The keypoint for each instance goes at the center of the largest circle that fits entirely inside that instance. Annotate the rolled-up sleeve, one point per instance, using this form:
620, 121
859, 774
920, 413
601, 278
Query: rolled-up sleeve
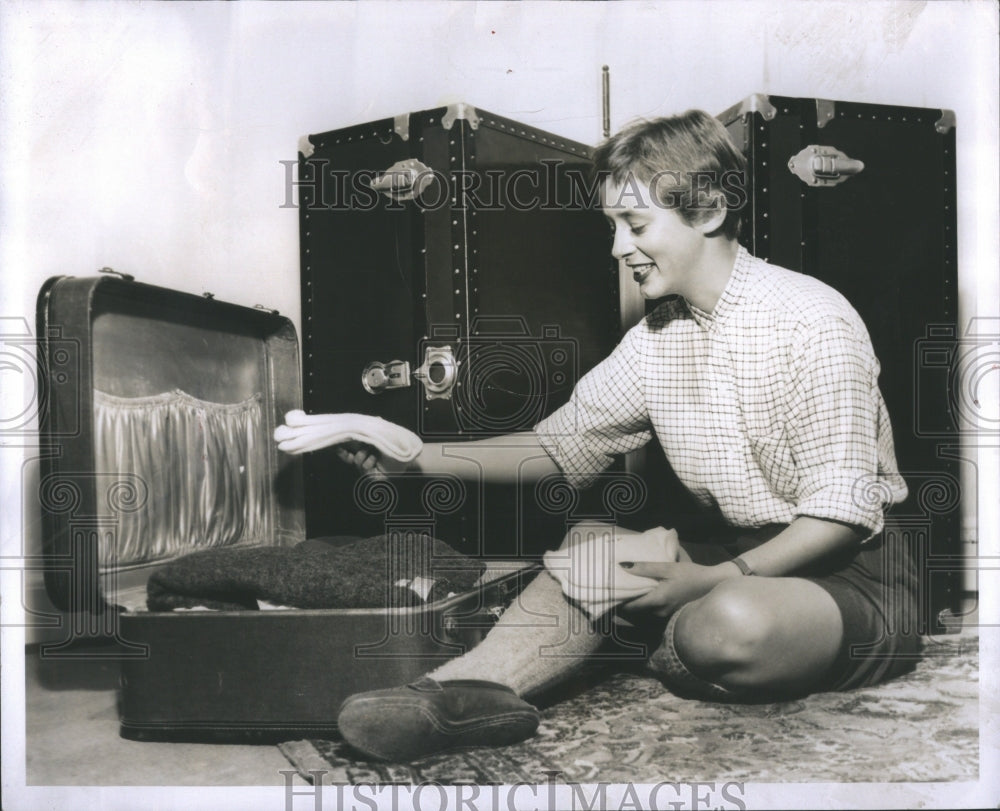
605, 416
833, 427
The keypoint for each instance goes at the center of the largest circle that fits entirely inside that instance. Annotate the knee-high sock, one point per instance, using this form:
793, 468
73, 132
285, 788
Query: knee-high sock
538, 641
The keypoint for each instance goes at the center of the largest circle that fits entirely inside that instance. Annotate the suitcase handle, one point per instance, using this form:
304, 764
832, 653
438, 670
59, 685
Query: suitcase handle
404, 180
111, 271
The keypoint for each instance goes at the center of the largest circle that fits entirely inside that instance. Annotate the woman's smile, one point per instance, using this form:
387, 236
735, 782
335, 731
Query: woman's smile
641, 272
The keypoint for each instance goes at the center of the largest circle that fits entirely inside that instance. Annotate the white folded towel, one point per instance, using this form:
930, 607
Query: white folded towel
590, 575
303, 432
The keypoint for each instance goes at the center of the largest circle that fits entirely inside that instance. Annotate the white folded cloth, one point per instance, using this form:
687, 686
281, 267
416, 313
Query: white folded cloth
589, 572
303, 432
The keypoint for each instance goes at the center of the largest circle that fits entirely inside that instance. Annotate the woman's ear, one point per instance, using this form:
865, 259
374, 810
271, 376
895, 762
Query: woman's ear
713, 214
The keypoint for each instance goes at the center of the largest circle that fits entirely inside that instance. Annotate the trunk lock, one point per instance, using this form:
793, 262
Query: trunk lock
438, 373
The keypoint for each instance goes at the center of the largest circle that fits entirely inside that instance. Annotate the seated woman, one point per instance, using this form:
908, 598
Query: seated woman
761, 386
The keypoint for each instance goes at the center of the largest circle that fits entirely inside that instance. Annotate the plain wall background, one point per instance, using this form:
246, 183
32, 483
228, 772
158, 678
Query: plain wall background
148, 136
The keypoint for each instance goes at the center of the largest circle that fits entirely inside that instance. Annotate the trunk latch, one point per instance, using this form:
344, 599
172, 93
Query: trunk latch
438, 373
823, 166
377, 377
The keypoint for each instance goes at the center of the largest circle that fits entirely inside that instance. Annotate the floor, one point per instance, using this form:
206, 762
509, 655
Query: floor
72, 740
614, 724
72, 737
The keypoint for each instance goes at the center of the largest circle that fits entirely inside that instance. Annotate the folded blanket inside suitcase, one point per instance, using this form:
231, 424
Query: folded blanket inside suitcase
398, 569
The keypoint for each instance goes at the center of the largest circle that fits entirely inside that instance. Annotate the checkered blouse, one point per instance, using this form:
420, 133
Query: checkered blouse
767, 408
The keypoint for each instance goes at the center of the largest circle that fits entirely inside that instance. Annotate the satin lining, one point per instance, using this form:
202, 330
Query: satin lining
186, 474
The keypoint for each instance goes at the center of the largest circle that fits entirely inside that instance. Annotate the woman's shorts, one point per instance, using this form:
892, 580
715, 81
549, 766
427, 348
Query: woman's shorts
876, 592
877, 597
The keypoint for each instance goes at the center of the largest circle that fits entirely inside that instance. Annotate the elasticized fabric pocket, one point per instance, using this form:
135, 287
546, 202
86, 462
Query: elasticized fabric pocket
189, 473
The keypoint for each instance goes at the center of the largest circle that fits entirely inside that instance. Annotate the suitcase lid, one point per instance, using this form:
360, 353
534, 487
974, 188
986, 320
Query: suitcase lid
156, 428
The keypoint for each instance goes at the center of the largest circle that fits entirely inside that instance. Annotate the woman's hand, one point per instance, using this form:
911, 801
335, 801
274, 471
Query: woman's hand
373, 445
368, 461
680, 583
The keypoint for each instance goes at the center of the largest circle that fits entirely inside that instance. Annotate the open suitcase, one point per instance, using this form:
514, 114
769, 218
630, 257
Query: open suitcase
160, 407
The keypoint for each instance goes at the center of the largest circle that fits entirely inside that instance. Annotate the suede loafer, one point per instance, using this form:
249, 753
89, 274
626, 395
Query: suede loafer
405, 723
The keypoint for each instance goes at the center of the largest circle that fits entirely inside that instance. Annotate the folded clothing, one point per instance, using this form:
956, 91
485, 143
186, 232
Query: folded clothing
589, 573
303, 432
339, 572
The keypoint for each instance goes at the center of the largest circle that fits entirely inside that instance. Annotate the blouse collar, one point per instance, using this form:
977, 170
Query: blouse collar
731, 294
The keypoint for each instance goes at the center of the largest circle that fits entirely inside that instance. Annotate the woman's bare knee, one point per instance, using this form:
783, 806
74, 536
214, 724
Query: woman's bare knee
722, 630
767, 633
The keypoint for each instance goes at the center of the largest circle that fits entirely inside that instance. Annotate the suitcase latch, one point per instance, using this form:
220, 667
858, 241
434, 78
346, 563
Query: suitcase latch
478, 624
823, 166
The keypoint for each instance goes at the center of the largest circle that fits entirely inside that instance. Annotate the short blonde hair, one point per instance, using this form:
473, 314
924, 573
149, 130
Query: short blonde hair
692, 152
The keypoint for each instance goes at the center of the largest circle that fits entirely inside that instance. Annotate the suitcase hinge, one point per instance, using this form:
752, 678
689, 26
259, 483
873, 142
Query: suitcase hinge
460, 111
823, 166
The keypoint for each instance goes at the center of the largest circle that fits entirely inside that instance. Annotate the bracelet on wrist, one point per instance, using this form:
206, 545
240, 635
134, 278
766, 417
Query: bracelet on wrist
742, 565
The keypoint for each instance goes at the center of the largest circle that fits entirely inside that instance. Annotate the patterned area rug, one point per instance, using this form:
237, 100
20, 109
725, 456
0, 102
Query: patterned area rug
620, 727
